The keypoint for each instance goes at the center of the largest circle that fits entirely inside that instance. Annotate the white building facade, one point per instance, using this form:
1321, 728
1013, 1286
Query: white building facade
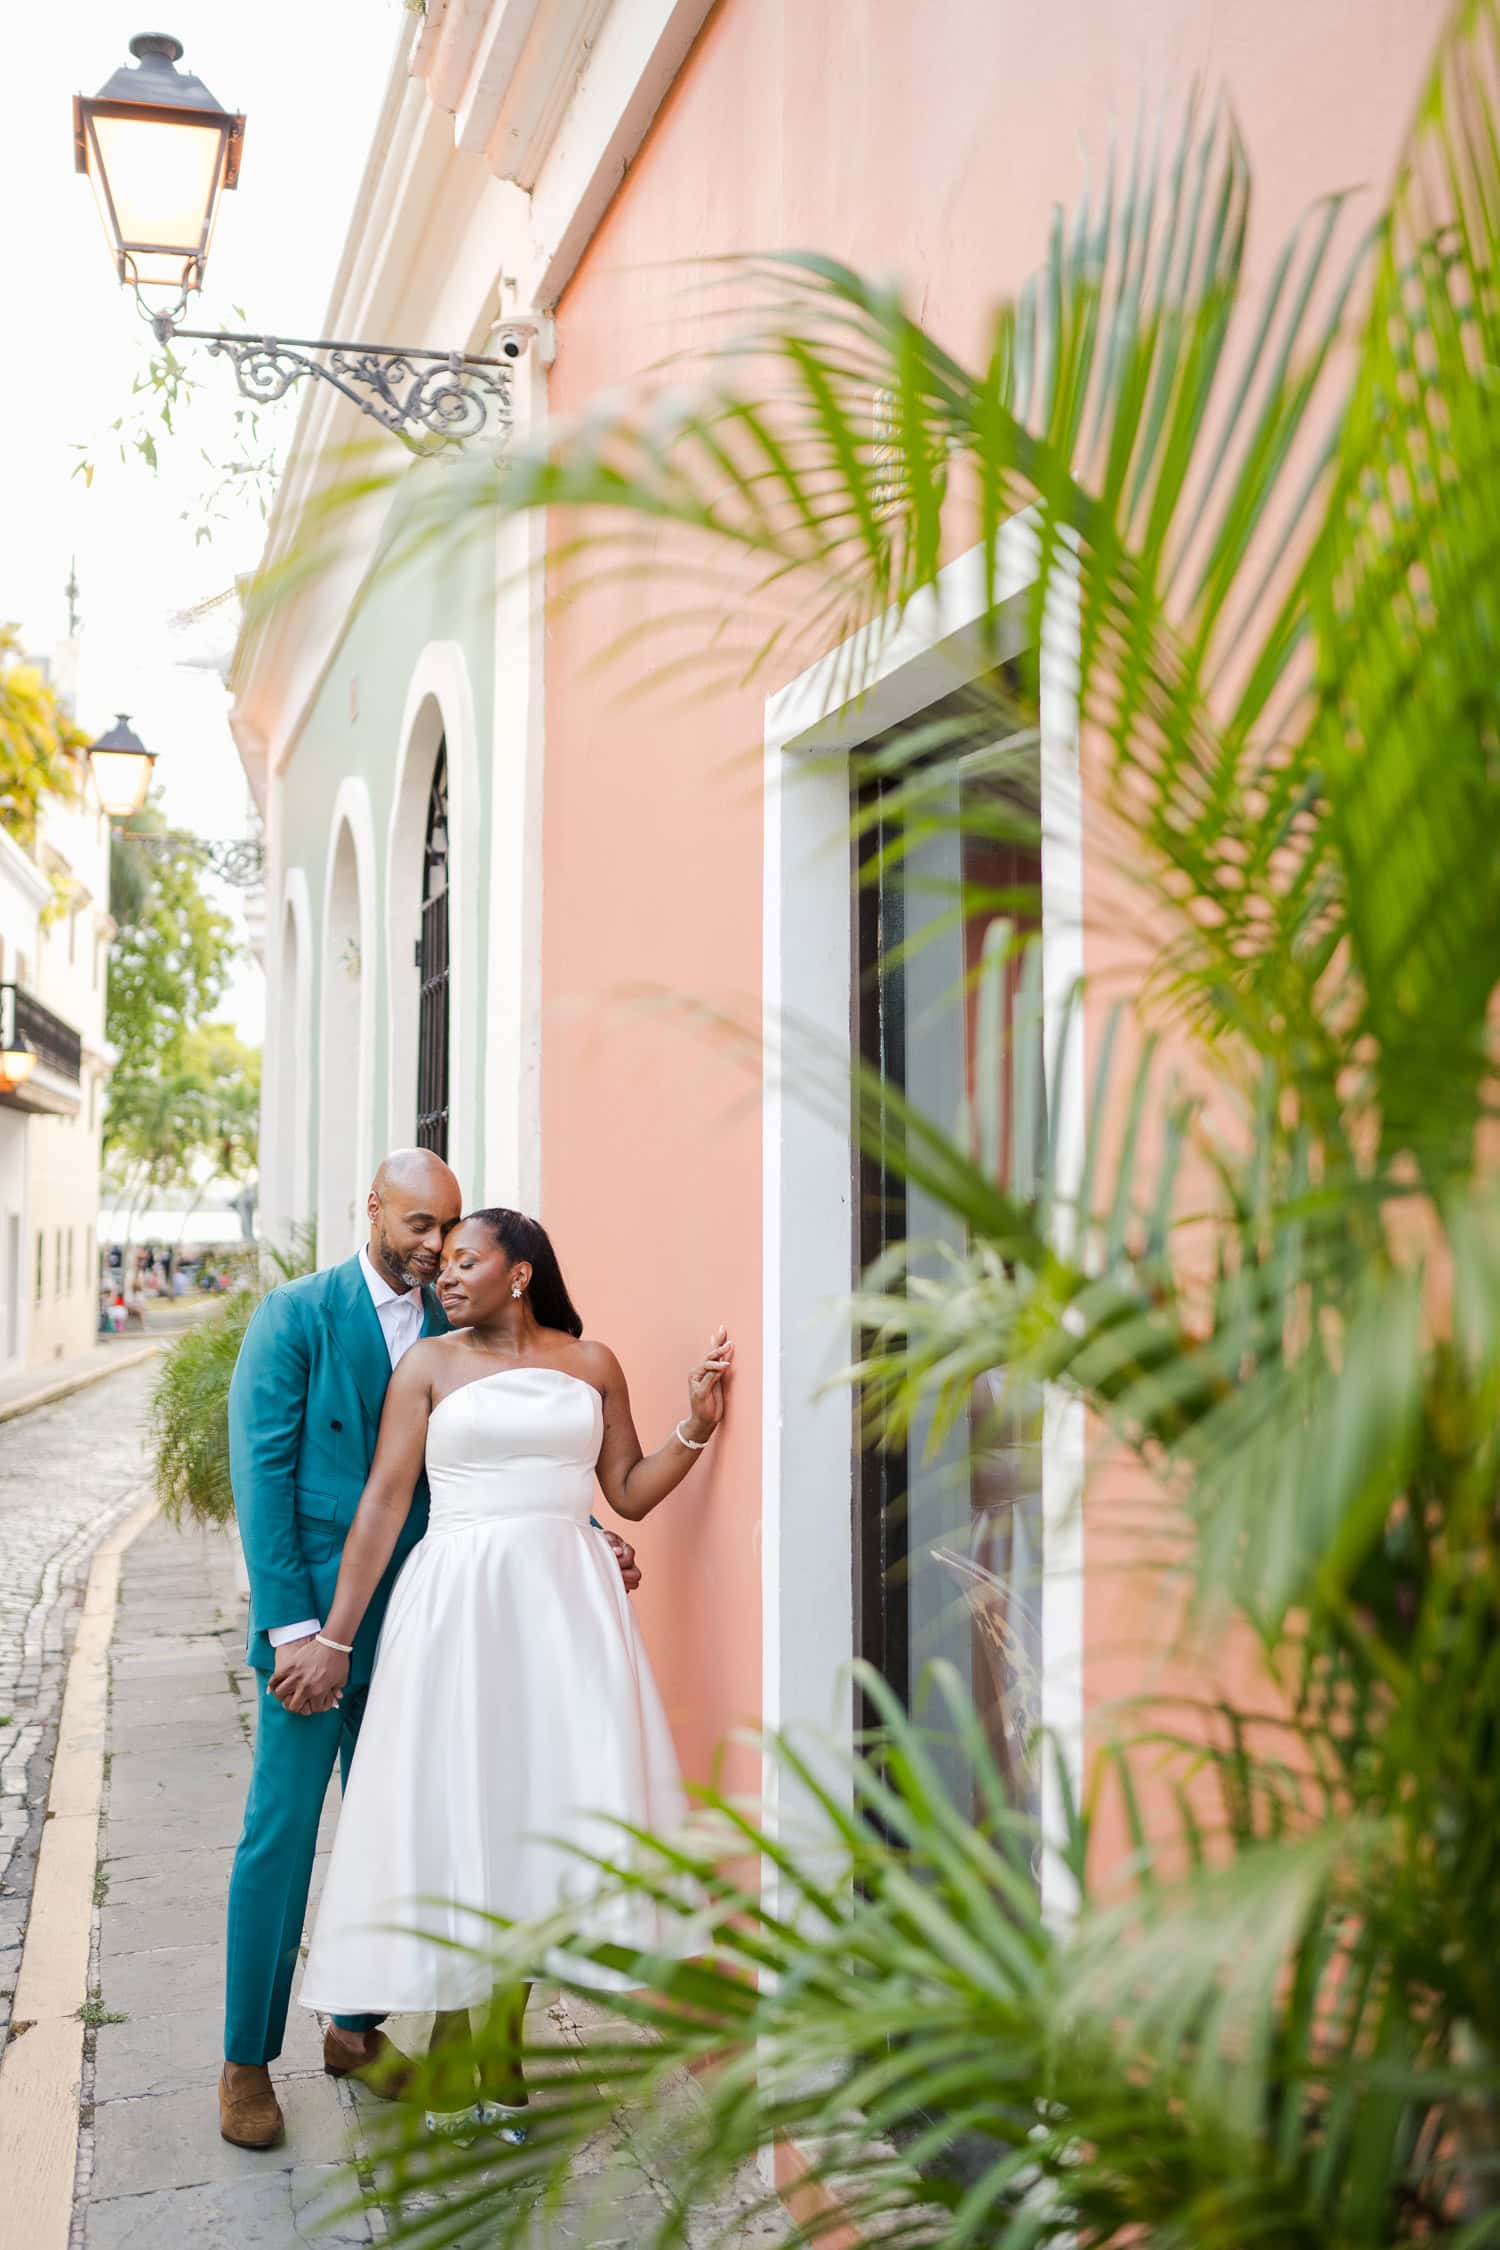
55, 935
69, 980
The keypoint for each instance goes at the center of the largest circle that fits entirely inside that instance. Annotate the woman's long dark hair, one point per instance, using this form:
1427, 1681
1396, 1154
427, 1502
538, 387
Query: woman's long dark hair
520, 1237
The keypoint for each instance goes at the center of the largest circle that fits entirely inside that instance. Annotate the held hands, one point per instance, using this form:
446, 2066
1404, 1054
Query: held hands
308, 1676
706, 1387
630, 1569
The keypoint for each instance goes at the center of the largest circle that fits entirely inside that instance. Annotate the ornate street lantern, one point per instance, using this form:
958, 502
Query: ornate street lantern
160, 151
122, 769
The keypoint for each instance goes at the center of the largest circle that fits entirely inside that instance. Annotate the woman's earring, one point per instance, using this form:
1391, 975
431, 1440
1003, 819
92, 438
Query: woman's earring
517, 1290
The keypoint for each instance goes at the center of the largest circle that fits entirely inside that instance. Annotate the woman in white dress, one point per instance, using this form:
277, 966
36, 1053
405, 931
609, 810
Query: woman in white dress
512, 1713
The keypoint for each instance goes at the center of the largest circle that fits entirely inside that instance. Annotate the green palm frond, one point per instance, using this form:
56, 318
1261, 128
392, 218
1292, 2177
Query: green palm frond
190, 1396
1407, 620
1219, 2058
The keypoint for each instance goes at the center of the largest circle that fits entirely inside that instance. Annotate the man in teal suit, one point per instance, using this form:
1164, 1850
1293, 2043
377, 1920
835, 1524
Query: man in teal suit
304, 1411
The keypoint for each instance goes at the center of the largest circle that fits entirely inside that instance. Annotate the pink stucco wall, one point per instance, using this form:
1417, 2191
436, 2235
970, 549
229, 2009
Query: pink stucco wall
926, 138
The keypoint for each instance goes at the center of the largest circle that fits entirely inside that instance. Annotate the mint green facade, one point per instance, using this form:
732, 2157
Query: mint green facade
359, 724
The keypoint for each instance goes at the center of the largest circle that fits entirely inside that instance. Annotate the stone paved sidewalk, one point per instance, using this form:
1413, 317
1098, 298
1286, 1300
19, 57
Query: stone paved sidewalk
153, 2170
22, 1392
68, 1473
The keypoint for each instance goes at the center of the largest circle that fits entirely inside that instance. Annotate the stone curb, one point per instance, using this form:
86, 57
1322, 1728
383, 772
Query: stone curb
49, 1392
41, 2071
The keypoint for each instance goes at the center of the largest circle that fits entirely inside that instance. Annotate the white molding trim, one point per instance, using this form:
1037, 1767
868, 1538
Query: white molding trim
439, 702
251, 745
337, 1234
561, 94
633, 65
887, 674
416, 192
25, 874
290, 1059
513, 990
510, 110
1064, 1433
447, 59
490, 67
430, 24
528, 82
807, 1257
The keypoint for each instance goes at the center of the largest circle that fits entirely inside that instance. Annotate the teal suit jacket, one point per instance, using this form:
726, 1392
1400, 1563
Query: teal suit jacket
304, 1412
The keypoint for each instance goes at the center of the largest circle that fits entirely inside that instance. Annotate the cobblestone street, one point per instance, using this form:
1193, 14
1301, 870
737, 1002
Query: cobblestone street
68, 1473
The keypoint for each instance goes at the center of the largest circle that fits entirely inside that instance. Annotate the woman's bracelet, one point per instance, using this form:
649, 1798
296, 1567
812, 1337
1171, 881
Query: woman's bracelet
345, 1648
694, 1445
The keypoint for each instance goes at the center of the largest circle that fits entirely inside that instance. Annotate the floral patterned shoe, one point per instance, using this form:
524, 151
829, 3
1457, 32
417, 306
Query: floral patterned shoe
455, 2125
506, 2120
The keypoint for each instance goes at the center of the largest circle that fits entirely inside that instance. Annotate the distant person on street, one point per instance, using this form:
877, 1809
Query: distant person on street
304, 1411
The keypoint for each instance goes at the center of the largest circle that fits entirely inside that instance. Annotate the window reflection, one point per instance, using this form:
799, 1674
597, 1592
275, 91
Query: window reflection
951, 1529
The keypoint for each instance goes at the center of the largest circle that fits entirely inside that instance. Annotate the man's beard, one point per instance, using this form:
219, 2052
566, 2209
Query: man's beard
394, 1264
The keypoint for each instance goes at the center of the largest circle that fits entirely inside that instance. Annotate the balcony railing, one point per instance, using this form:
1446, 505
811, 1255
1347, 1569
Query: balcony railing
57, 1046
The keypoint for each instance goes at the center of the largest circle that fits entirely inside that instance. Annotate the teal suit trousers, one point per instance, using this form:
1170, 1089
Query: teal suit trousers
304, 1413
294, 1762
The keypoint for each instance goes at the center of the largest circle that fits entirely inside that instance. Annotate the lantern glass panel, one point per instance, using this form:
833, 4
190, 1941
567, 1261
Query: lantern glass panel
122, 778
157, 182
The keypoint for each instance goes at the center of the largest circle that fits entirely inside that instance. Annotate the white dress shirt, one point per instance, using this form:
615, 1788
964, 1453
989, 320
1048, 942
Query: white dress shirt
399, 1311
401, 1314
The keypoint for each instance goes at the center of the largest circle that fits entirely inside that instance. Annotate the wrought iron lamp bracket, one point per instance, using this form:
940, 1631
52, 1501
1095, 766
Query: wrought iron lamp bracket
237, 860
411, 393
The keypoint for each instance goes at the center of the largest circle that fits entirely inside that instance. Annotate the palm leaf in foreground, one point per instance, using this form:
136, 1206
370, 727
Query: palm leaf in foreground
896, 2002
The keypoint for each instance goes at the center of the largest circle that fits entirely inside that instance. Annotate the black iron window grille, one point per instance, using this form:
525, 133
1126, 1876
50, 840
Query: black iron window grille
432, 968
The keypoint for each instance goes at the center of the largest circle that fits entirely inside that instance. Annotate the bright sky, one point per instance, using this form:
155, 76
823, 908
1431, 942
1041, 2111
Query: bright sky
309, 76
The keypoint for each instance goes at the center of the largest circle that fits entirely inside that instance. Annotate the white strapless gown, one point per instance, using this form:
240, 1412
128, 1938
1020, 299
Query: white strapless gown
512, 1713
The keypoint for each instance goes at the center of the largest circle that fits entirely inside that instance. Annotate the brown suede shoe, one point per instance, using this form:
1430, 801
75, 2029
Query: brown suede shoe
249, 2113
382, 2067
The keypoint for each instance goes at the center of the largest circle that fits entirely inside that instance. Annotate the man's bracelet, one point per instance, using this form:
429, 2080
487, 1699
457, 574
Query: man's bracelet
345, 1648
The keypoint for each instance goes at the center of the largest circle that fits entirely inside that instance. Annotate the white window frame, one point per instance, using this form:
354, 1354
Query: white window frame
900, 667
292, 1063
342, 1166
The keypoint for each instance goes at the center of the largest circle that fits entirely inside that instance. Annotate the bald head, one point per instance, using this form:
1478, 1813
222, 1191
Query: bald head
414, 1171
414, 1198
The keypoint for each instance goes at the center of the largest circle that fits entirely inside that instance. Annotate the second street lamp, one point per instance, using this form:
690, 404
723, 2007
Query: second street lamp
121, 766
160, 152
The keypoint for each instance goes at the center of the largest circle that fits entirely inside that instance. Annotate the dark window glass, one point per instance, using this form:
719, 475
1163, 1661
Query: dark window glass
432, 968
949, 1532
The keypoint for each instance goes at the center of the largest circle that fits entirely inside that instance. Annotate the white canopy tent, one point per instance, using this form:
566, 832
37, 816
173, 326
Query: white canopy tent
188, 1231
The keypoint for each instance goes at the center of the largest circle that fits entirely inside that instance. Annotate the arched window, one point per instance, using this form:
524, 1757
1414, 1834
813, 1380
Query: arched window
432, 966
342, 1059
285, 1190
